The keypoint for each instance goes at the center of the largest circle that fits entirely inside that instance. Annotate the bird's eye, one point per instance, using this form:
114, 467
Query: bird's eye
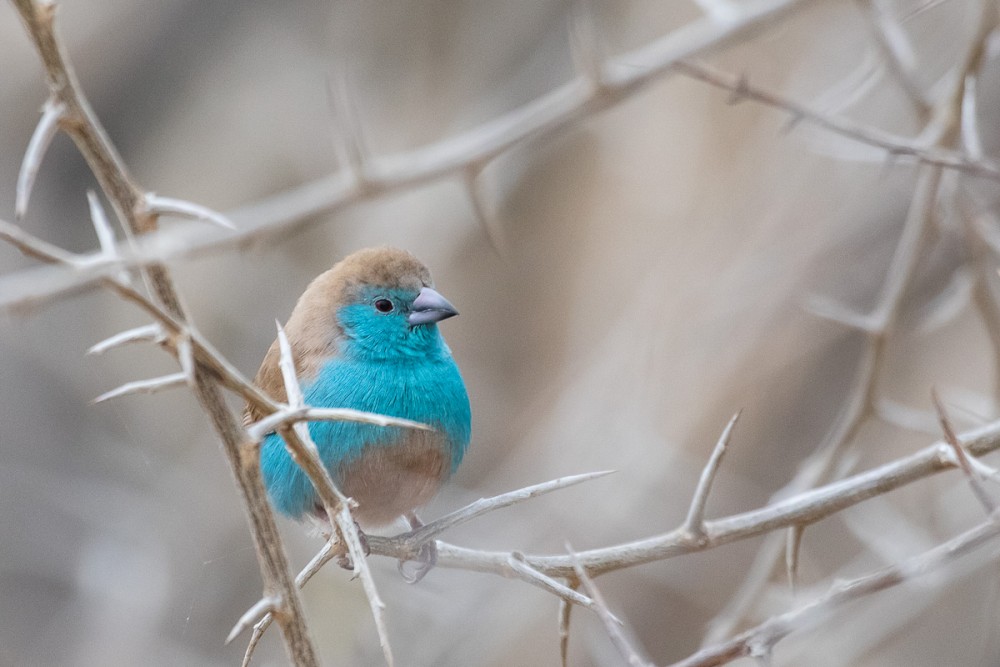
384, 306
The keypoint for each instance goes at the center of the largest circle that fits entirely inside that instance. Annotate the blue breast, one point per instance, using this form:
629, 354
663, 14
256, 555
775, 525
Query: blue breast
429, 390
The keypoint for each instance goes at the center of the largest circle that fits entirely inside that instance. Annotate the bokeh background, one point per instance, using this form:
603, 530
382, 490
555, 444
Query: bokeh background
648, 278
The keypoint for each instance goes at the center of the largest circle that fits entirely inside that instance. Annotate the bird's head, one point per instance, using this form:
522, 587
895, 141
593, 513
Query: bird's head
383, 304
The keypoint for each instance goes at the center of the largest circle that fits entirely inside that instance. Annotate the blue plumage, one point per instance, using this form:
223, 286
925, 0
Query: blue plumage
380, 351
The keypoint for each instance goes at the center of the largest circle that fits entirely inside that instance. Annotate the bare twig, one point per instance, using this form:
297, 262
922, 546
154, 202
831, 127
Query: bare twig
429, 531
611, 623
897, 52
861, 402
337, 506
128, 200
322, 557
565, 612
624, 76
360, 561
801, 509
767, 634
894, 145
793, 547
515, 561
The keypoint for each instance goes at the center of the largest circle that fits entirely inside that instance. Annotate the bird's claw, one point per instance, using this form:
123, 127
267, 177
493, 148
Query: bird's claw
425, 561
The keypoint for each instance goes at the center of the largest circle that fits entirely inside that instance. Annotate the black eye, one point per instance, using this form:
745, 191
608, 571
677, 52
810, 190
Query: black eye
384, 306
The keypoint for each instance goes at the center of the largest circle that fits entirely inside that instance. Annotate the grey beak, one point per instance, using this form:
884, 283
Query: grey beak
430, 307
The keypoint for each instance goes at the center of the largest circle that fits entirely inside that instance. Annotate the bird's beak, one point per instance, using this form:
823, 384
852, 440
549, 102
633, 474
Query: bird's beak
429, 307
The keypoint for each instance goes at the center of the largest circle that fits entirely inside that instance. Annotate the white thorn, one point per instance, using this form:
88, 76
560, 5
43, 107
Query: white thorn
105, 234
150, 386
147, 333
969, 123
45, 131
185, 357
185, 209
261, 608
287, 364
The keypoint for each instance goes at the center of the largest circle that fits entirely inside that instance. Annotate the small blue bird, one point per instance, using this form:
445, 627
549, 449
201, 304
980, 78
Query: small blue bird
364, 335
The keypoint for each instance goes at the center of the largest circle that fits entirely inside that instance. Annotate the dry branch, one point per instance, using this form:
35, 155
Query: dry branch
762, 638
83, 127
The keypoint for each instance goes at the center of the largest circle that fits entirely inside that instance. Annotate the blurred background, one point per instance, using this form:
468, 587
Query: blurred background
649, 276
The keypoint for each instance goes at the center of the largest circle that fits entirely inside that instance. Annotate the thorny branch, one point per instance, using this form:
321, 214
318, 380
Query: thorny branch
862, 402
760, 640
621, 78
601, 83
130, 203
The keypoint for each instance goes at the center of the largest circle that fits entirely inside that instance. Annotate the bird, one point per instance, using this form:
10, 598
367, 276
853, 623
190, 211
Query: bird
364, 335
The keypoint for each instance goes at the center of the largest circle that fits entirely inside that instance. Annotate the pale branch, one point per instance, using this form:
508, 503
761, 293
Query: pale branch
801, 509
304, 452
322, 557
456, 156
349, 531
206, 355
793, 547
897, 52
128, 200
862, 399
979, 240
624, 76
695, 521
420, 536
36, 248
565, 613
417, 537
45, 132
768, 633
961, 457
894, 145
515, 560
610, 621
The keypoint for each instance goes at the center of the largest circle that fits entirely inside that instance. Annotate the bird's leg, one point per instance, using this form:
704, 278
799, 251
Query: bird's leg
426, 557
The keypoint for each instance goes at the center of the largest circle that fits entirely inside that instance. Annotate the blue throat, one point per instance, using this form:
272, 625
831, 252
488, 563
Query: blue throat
383, 368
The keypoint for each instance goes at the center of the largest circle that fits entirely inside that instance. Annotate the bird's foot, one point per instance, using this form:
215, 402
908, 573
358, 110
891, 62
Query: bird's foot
426, 558
344, 560
424, 563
